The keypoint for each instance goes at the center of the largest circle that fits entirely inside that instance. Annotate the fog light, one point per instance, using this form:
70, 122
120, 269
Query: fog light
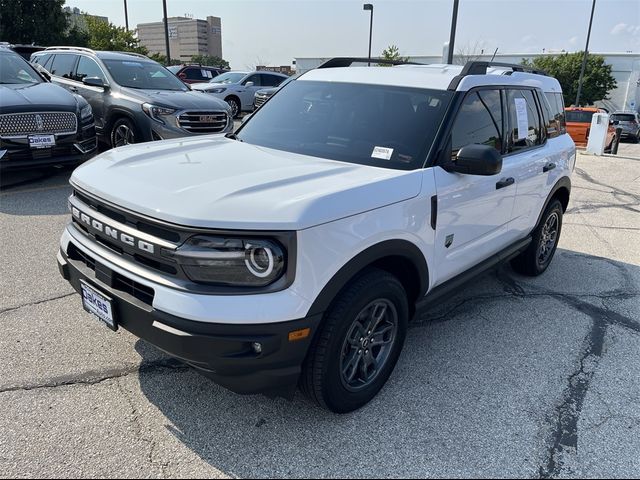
257, 347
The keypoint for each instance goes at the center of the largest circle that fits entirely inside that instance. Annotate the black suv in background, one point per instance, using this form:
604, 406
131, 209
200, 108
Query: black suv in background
40, 123
134, 99
195, 73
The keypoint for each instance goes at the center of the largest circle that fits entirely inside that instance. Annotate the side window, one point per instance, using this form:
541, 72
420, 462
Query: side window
269, 80
88, 68
479, 121
63, 64
550, 112
255, 79
194, 74
524, 122
41, 59
560, 115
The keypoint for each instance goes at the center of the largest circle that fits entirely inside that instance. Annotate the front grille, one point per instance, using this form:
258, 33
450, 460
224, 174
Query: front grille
21, 124
203, 122
117, 282
260, 99
27, 154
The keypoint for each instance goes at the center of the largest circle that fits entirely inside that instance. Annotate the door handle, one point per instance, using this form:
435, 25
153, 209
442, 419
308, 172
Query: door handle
505, 182
548, 166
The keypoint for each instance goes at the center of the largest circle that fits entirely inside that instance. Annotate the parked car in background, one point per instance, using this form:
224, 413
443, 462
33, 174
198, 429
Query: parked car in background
195, 73
238, 89
265, 94
629, 122
579, 124
40, 123
134, 99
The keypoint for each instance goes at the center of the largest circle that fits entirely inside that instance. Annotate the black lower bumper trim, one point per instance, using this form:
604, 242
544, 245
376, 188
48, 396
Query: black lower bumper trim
222, 352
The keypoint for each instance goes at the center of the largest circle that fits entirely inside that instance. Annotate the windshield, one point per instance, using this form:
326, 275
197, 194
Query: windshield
229, 77
377, 125
16, 70
578, 116
143, 74
623, 117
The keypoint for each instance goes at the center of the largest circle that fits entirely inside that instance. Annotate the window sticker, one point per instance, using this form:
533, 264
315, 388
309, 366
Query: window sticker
382, 152
521, 116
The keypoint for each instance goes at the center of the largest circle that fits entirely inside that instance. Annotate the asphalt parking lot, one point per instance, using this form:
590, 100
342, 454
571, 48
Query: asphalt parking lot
511, 377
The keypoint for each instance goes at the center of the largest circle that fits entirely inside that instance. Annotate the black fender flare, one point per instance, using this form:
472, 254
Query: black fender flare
564, 182
388, 248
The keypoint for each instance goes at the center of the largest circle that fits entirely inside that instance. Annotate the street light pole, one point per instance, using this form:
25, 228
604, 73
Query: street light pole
586, 54
452, 37
126, 16
166, 31
368, 6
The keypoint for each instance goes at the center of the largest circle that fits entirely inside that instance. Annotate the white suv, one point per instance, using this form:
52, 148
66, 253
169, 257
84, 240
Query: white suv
295, 251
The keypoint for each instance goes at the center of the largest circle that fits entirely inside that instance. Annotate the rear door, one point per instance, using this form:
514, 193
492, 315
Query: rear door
473, 211
62, 68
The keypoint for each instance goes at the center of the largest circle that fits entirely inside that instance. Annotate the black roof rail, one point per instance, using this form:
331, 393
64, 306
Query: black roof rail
347, 61
479, 67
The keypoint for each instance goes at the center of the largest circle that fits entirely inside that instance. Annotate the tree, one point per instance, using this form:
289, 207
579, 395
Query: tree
598, 80
39, 22
392, 53
210, 61
107, 36
468, 53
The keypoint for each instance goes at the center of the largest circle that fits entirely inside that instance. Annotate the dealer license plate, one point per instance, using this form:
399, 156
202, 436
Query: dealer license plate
98, 304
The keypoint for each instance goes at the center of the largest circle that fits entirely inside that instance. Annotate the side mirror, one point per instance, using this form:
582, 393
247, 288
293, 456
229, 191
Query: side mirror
476, 160
94, 82
249, 84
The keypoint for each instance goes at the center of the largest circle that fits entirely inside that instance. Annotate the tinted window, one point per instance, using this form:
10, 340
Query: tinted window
623, 117
271, 80
63, 64
16, 70
479, 121
41, 59
551, 127
196, 74
561, 118
578, 116
143, 74
524, 122
378, 125
88, 68
255, 79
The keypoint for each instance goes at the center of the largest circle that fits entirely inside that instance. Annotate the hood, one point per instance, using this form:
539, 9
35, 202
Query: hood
210, 86
36, 97
178, 100
215, 182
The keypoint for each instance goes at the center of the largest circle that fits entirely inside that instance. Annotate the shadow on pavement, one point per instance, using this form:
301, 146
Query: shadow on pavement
486, 383
35, 192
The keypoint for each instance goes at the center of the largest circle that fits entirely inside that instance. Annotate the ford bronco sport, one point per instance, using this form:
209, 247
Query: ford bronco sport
295, 251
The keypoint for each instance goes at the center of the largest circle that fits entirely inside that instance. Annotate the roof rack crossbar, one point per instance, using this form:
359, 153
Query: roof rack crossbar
347, 61
82, 49
479, 67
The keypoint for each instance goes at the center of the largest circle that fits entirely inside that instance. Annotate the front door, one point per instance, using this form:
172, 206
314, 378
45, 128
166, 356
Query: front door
474, 211
88, 68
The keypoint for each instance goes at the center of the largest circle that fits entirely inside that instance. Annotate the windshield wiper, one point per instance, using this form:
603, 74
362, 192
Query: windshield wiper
233, 136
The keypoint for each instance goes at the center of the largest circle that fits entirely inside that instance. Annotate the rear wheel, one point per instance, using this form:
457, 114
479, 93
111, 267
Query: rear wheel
359, 343
537, 257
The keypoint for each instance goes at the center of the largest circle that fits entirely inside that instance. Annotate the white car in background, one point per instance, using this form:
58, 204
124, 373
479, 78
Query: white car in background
239, 88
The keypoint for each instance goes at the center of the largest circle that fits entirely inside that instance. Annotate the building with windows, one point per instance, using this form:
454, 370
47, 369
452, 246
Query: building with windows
284, 69
187, 37
625, 69
78, 19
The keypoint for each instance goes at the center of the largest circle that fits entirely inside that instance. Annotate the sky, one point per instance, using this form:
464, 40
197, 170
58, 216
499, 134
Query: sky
275, 32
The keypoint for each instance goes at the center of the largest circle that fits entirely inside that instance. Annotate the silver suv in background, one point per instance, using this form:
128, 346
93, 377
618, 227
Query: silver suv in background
238, 89
629, 122
133, 98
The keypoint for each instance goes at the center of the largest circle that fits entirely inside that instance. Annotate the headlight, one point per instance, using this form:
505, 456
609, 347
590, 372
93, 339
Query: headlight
230, 261
86, 112
216, 90
156, 112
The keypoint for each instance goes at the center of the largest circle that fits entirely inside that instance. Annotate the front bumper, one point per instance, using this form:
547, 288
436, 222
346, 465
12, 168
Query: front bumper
222, 352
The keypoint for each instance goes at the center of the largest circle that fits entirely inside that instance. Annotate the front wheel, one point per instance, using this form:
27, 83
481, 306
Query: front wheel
122, 133
538, 255
359, 343
234, 103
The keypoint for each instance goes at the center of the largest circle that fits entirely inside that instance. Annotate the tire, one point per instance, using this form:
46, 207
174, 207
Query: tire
373, 295
234, 103
123, 132
537, 257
